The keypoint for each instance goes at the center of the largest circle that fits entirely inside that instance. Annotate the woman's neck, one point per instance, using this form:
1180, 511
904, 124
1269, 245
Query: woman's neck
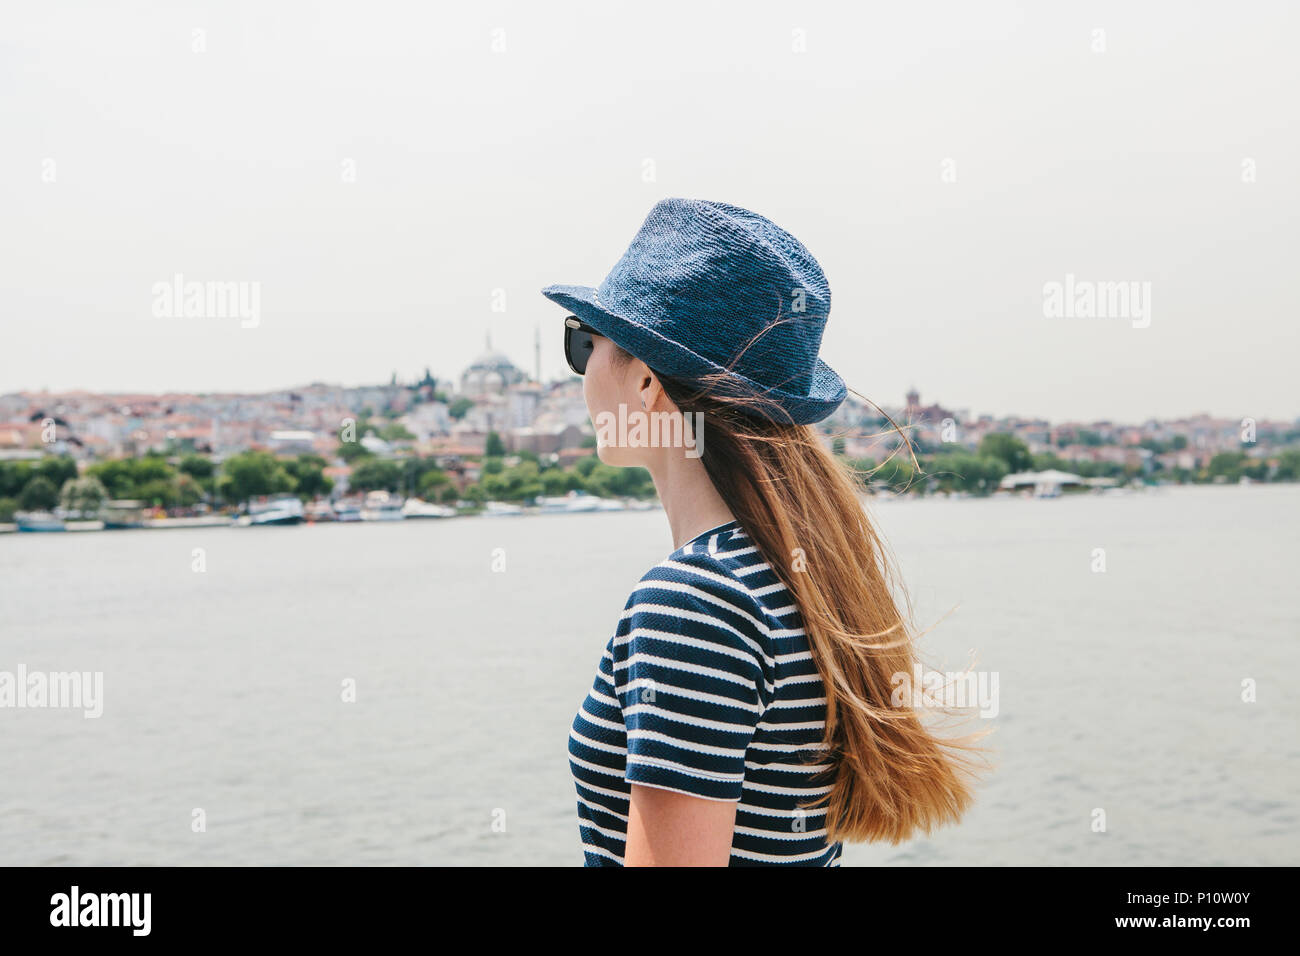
690, 500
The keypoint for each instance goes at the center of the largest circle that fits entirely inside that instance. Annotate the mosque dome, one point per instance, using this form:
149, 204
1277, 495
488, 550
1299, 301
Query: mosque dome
490, 374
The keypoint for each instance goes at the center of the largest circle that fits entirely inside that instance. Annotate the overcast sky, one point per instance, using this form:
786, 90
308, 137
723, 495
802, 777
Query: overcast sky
379, 169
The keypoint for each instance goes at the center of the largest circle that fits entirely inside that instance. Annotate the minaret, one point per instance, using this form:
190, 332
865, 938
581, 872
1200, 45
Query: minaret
537, 354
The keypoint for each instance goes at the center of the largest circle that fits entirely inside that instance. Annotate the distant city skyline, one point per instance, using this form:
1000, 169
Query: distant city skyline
452, 383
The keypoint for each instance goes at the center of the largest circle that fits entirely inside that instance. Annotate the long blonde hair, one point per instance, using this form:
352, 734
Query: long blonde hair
890, 777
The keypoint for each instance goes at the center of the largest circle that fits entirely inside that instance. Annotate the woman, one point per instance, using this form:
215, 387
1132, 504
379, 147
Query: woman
744, 711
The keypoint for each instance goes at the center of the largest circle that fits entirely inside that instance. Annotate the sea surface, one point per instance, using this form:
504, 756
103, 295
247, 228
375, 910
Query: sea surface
471, 642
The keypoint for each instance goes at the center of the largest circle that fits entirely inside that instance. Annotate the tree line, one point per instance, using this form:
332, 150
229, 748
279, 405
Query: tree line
179, 483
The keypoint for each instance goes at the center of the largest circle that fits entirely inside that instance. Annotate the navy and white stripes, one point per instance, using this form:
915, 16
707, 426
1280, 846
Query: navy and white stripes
708, 688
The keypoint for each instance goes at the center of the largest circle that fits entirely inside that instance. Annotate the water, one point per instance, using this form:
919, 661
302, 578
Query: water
1118, 690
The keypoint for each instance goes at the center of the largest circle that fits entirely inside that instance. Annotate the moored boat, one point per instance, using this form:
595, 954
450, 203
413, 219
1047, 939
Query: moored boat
123, 514
285, 509
39, 521
572, 503
382, 506
415, 508
199, 521
320, 511
347, 509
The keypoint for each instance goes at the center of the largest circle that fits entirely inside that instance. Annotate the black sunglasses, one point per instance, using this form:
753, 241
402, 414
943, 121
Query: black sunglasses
577, 343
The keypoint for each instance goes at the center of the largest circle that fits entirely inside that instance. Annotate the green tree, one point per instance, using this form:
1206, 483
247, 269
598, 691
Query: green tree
13, 475
126, 477
525, 481
1228, 464
197, 467
116, 476
961, 471
608, 482
459, 408
521, 482
39, 494
495, 447
1256, 469
84, 495
309, 477
1288, 465
1013, 452
58, 469
188, 491
556, 481
254, 473
374, 474
432, 483
161, 492
202, 471
351, 451
150, 468
896, 473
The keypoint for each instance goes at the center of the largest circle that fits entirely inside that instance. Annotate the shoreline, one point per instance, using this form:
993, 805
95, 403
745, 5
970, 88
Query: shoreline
512, 510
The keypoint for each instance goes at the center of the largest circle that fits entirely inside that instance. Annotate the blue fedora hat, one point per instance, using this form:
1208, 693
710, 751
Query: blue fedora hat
698, 283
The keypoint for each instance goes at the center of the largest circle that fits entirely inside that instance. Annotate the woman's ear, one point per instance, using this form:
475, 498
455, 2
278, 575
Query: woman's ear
650, 390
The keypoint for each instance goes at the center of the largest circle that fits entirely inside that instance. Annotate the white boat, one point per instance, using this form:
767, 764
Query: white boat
382, 506
83, 526
123, 514
496, 509
1041, 484
320, 511
201, 521
347, 509
415, 508
572, 503
285, 509
39, 521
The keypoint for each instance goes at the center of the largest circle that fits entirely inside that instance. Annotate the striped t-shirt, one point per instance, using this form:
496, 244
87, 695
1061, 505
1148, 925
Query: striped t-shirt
707, 688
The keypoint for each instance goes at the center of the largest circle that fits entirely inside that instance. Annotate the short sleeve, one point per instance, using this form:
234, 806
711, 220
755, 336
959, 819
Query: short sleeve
691, 670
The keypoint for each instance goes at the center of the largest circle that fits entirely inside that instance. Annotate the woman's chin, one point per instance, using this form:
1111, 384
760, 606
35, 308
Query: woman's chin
615, 456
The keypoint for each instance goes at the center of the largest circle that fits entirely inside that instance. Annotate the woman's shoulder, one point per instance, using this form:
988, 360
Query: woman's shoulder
695, 584
698, 569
